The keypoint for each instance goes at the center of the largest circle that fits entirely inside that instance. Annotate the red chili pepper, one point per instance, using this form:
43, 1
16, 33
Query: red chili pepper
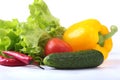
10, 62
20, 56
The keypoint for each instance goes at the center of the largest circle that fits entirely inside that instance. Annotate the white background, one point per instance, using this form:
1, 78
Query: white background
69, 12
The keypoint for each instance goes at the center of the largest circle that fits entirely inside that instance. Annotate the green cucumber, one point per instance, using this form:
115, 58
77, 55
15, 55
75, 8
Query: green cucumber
74, 60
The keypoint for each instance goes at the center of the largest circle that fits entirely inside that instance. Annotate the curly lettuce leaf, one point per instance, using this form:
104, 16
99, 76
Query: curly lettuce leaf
9, 34
30, 37
41, 16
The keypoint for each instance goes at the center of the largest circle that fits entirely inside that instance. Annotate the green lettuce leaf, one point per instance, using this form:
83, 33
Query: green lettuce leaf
31, 36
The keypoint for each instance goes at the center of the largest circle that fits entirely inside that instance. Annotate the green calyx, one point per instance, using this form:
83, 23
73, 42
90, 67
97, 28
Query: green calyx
102, 38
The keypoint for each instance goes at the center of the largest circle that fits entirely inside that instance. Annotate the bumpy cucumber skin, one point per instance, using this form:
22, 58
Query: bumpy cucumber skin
74, 60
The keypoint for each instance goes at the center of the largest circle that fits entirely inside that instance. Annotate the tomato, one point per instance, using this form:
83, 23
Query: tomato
57, 45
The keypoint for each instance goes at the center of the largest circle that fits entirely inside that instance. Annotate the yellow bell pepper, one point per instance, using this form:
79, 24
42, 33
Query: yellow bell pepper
90, 34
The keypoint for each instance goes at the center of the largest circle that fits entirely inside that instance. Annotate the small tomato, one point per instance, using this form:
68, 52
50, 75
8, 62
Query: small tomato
57, 45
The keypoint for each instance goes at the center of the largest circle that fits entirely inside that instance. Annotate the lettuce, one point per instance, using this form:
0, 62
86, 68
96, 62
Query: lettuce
31, 36
9, 34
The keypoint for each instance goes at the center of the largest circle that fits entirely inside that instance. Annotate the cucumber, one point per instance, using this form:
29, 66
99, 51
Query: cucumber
74, 60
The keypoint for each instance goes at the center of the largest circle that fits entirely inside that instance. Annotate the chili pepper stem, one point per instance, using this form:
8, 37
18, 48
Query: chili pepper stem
102, 38
41, 67
38, 65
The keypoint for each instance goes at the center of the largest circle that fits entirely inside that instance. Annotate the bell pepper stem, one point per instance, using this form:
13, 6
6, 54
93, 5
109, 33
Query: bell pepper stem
102, 38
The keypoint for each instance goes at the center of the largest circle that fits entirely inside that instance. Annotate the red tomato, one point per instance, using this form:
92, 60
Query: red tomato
57, 45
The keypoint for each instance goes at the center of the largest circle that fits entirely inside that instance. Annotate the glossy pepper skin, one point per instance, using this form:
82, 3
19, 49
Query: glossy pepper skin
89, 34
108, 44
10, 62
20, 56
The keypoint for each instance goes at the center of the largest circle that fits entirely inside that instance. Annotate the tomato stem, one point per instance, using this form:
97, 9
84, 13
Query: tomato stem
102, 38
